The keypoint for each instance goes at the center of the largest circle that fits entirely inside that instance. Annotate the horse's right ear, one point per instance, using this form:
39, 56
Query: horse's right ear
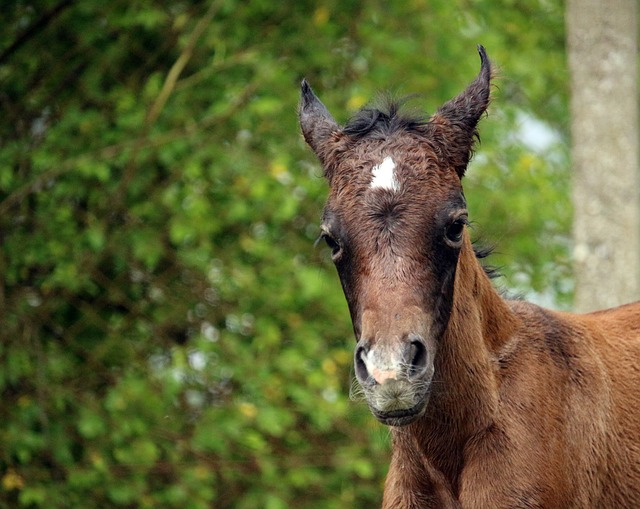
315, 120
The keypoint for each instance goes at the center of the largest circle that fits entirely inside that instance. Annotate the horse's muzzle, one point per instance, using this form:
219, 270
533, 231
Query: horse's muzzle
401, 417
395, 381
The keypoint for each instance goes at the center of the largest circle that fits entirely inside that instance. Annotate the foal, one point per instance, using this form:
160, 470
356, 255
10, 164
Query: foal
492, 403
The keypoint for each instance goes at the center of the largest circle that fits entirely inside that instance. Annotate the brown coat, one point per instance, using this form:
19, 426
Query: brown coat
493, 404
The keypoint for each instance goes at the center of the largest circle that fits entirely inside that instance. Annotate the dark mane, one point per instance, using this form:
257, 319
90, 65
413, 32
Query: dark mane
483, 252
381, 121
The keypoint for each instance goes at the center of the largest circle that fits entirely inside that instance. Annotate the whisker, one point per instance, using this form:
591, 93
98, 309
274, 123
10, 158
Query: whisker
356, 392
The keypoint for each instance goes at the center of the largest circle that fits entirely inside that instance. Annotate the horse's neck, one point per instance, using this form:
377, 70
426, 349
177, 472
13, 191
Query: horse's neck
481, 322
464, 388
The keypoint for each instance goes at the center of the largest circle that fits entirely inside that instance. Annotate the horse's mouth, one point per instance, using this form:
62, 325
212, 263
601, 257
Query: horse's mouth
400, 417
397, 402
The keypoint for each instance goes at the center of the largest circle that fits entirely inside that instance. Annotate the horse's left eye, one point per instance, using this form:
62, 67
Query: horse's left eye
454, 231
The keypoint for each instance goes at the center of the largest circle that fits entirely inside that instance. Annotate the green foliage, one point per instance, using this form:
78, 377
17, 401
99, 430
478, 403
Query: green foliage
170, 337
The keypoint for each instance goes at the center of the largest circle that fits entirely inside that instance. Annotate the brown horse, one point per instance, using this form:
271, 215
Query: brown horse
492, 403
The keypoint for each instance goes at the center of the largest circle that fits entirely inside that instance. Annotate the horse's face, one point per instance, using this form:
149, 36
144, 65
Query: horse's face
395, 221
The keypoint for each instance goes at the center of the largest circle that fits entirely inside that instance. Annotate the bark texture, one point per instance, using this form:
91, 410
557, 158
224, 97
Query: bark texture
602, 47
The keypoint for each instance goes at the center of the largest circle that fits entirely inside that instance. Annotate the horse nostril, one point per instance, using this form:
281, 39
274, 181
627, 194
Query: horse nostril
362, 374
418, 359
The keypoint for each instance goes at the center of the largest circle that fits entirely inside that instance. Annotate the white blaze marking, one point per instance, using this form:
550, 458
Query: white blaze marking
384, 176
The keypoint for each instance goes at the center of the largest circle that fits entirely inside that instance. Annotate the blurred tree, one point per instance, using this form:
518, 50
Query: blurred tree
603, 59
169, 336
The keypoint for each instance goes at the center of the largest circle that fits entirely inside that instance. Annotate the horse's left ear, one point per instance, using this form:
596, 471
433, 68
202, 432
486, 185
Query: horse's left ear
315, 120
456, 121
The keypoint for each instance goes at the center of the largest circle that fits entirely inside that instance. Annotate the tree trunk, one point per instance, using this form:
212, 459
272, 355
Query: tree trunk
602, 48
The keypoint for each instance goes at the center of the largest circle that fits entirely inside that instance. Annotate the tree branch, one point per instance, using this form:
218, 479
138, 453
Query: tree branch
36, 27
114, 150
180, 64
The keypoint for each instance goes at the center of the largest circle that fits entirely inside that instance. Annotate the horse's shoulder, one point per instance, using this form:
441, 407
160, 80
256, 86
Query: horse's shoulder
560, 344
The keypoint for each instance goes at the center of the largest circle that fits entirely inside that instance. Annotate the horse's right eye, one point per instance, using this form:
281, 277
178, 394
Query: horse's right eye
332, 244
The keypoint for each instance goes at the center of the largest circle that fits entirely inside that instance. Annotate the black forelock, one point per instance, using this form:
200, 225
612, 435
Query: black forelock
388, 117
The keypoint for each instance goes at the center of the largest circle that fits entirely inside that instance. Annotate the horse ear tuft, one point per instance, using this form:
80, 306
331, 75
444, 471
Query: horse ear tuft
456, 121
315, 120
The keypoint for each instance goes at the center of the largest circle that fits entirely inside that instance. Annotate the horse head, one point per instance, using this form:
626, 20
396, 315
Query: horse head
395, 220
